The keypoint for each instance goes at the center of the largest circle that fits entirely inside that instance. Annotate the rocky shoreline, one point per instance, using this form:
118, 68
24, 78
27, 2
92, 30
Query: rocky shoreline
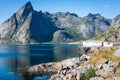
83, 69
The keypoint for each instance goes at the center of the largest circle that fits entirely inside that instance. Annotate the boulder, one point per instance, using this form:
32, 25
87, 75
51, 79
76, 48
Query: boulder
55, 77
116, 64
102, 61
104, 74
117, 53
108, 68
96, 78
100, 66
116, 78
69, 76
84, 58
79, 75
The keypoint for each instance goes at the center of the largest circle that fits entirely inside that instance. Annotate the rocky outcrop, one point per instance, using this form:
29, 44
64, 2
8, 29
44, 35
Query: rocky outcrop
66, 69
113, 33
54, 67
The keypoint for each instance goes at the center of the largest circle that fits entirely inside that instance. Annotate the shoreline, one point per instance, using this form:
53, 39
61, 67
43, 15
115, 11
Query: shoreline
73, 69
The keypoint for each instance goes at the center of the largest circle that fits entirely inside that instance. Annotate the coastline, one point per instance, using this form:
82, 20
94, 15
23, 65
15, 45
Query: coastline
75, 69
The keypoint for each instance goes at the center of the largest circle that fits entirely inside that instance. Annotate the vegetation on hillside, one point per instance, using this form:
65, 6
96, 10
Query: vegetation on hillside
89, 74
106, 53
73, 32
99, 36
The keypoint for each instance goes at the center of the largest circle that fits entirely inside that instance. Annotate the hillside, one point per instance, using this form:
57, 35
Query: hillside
30, 26
113, 33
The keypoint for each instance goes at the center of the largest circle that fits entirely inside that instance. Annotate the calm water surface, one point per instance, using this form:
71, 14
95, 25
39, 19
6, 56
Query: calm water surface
19, 56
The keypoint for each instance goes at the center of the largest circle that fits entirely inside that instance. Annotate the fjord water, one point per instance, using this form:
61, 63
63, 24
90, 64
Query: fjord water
13, 57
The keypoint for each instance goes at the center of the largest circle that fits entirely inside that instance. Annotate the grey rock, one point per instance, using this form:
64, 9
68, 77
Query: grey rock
102, 61
113, 33
108, 68
116, 78
104, 74
117, 53
85, 57
96, 78
28, 26
116, 64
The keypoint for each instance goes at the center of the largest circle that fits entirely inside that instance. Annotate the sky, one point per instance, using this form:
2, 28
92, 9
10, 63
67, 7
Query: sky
107, 8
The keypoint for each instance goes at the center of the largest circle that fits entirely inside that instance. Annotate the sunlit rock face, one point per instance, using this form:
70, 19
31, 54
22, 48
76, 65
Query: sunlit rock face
113, 33
30, 26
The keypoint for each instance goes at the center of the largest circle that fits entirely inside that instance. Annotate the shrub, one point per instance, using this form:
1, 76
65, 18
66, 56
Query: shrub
89, 74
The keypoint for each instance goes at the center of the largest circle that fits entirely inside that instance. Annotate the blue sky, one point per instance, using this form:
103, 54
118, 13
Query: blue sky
107, 8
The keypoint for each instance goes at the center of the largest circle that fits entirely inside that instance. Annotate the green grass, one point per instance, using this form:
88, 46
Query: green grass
73, 32
111, 31
99, 36
10, 41
89, 74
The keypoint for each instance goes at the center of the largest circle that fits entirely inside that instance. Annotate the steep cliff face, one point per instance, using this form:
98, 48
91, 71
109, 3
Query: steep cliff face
27, 26
113, 34
10, 26
30, 26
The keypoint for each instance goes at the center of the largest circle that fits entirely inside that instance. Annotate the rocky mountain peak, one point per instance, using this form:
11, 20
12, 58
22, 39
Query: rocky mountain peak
72, 14
116, 18
97, 15
92, 17
28, 6
30, 26
24, 11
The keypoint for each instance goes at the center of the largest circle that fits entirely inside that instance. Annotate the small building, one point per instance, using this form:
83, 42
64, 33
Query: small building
94, 43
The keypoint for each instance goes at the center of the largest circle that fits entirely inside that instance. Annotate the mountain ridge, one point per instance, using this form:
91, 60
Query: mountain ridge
30, 26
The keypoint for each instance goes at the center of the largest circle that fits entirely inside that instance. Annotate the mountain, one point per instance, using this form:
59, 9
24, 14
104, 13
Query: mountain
79, 28
30, 26
113, 33
27, 26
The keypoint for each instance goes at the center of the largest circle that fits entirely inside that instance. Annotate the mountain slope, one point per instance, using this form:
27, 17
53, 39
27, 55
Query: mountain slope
80, 28
113, 34
30, 26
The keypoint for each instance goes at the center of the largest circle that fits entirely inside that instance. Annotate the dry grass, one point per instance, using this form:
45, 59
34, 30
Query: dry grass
106, 53
118, 71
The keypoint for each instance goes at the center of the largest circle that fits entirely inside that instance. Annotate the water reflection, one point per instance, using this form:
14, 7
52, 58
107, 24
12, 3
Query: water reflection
13, 57
64, 52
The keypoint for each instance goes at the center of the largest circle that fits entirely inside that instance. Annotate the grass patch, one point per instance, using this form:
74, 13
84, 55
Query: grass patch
89, 74
118, 71
73, 32
106, 53
99, 36
111, 31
